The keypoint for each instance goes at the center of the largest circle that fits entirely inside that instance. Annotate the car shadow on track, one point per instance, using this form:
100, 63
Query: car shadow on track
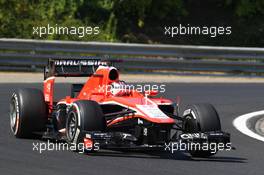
175, 156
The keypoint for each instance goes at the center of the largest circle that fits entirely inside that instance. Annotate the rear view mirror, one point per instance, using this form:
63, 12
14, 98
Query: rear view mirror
151, 93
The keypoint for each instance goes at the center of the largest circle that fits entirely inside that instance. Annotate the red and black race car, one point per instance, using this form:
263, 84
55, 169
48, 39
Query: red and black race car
105, 110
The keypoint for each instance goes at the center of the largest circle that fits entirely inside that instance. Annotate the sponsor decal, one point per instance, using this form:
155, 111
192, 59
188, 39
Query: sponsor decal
80, 63
152, 111
193, 136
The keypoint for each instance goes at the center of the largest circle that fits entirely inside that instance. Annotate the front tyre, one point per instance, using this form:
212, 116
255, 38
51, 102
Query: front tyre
84, 115
201, 118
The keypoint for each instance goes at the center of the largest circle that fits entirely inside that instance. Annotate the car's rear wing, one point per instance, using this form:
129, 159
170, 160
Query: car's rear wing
73, 67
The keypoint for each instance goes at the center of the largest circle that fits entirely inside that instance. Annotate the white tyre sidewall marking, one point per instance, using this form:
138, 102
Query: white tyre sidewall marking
240, 124
75, 140
17, 110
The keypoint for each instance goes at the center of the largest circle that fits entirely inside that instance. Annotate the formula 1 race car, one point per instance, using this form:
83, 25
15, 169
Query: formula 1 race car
108, 112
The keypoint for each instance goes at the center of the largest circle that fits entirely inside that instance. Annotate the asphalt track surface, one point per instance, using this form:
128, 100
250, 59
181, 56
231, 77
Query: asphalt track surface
231, 100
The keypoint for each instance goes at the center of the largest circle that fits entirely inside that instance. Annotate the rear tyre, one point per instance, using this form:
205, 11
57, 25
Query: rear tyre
201, 118
84, 115
28, 113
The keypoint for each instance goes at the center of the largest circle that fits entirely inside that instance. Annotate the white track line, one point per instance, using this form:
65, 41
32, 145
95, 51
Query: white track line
241, 124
